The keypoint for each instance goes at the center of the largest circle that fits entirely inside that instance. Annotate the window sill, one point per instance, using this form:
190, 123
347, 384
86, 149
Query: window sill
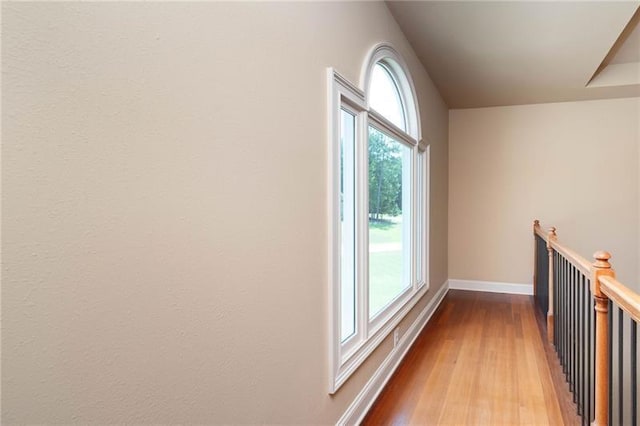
360, 353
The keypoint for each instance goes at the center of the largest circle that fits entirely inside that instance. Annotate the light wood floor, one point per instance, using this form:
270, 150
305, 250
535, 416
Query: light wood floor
480, 360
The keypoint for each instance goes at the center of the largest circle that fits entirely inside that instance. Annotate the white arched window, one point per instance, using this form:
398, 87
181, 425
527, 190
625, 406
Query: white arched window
378, 208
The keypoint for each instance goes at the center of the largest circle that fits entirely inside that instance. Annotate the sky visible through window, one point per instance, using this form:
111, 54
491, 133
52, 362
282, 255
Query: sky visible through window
385, 97
347, 220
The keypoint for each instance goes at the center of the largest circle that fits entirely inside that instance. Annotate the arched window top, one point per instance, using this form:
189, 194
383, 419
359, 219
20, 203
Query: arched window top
384, 96
389, 89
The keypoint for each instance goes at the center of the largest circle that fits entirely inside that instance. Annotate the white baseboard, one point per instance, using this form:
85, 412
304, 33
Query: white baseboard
491, 287
362, 403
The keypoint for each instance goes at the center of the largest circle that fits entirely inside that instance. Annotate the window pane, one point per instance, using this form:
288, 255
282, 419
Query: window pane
389, 220
347, 229
385, 97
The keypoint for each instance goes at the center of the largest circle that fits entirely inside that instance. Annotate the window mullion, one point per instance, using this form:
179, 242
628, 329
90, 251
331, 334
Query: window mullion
415, 176
407, 226
362, 216
426, 215
384, 125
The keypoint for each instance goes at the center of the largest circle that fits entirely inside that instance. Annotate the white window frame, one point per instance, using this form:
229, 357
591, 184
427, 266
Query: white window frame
345, 357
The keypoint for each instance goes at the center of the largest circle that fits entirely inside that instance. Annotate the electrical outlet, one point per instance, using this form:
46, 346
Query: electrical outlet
396, 337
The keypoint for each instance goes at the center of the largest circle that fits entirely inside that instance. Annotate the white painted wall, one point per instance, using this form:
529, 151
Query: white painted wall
164, 228
572, 165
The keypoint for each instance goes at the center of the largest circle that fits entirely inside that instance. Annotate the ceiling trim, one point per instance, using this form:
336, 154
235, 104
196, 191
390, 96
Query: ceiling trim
622, 38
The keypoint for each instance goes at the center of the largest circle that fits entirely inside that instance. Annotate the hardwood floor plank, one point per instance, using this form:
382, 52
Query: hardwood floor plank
480, 360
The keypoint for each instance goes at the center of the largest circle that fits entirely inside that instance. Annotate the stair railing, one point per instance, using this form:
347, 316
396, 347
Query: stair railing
578, 298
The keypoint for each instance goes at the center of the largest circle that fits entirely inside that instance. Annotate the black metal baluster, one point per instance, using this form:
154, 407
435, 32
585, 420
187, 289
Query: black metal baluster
620, 366
585, 355
575, 336
570, 327
610, 344
566, 320
576, 329
555, 301
574, 324
587, 359
568, 323
545, 272
581, 346
536, 268
583, 360
562, 312
590, 377
555, 297
585, 339
593, 358
633, 353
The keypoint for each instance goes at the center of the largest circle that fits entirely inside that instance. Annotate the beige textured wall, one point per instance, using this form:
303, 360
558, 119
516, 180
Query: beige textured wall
510, 165
164, 229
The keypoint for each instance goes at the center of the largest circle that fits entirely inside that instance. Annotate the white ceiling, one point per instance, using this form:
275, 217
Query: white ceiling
509, 53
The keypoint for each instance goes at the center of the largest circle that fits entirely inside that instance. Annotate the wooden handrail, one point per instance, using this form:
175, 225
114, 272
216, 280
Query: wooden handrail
574, 258
621, 295
578, 261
